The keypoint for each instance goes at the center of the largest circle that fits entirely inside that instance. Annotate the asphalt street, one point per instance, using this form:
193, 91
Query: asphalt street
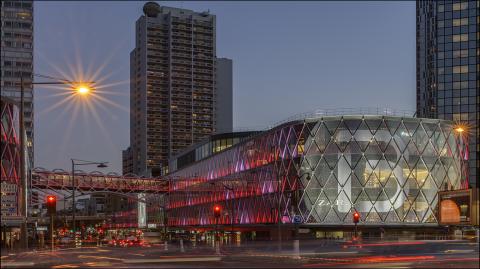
312, 254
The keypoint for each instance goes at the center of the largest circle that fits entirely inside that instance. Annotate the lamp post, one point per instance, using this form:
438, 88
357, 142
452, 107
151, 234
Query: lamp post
80, 87
74, 185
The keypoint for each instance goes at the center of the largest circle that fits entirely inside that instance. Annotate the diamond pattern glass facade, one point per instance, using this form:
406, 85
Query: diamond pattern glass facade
389, 169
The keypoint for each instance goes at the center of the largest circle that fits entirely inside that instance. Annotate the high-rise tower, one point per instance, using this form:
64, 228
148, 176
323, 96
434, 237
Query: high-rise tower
17, 59
172, 85
448, 68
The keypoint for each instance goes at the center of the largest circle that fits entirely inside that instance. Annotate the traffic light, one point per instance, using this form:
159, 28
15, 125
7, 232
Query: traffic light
217, 211
51, 204
356, 217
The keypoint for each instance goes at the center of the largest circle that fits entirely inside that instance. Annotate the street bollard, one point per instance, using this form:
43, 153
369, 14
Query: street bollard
296, 249
166, 245
478, 235
217, 247
182, 249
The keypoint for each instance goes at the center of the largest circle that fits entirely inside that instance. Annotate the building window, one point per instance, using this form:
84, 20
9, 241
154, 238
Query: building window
460, 22
460, 69
460, 6
462, 37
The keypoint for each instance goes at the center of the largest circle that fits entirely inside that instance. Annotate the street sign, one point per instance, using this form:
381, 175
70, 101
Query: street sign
41, 228
297, 219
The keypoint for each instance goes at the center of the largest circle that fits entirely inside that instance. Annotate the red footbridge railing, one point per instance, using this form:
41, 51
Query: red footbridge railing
96, 182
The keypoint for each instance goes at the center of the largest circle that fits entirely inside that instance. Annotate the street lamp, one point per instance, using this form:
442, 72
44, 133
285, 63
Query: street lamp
81, 87
74, 187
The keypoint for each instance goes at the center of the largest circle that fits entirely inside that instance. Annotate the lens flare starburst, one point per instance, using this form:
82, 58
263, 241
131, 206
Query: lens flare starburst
94, 99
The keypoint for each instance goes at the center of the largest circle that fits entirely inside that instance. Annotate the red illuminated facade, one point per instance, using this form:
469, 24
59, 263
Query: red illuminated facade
10, 158
322, 170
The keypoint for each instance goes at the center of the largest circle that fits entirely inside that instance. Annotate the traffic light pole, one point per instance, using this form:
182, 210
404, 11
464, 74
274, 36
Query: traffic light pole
51, 232
355, 231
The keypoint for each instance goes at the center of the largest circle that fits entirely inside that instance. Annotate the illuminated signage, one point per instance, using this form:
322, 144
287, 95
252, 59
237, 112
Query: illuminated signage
455, 207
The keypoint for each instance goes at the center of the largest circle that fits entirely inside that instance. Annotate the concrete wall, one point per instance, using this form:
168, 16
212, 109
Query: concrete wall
224, 96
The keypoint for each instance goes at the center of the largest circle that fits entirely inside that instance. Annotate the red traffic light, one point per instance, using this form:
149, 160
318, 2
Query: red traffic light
356, 217
51, 204
216, 211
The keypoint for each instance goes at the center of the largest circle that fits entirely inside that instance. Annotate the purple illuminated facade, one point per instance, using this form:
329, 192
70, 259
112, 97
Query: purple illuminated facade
319, 171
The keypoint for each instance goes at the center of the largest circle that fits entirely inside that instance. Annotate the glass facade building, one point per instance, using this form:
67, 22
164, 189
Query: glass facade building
321, 170
448, 68
17, 59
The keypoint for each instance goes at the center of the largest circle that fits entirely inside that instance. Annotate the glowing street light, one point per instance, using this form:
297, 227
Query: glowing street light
460, 129
83, 90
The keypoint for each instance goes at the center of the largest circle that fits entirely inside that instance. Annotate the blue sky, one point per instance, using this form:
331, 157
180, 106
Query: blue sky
288, 58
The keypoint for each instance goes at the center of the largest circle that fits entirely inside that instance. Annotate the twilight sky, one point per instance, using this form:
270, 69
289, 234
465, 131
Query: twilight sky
288, 58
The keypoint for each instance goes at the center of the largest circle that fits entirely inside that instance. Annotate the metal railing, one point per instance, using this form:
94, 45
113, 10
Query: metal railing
361, 111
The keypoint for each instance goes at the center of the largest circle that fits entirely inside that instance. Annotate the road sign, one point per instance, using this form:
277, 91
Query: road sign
297, 219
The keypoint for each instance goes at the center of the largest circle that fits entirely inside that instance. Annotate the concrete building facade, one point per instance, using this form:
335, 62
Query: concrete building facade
172, 86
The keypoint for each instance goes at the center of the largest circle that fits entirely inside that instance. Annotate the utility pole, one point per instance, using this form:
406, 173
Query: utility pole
23, 178
74, 206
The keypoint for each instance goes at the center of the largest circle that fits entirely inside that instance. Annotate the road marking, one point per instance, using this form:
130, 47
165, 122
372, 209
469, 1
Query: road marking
99, 257
16, 264
459, 250
98, 264
329, 253
65, 266
199, 259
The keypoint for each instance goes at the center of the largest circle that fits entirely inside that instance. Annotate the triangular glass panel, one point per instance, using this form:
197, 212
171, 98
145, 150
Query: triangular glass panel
321, 172
430, 128
352, 153
373, 187
392, 217
355, 188
392, 124
421, 206
401, 205
322, 206
331, 188
430, 189
332, 155
392, 186
383, 205
438, 173
363, 171
420, 139
410, 216
353, 124
373, 217
332, 217
430, 217
343, 205
332, 126
342, 136
374, 123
